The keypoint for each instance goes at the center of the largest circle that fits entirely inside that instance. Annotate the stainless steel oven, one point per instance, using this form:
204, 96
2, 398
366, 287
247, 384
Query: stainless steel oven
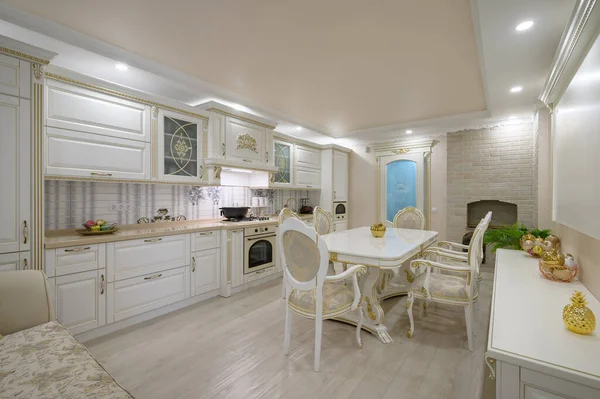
259, 248
340, 210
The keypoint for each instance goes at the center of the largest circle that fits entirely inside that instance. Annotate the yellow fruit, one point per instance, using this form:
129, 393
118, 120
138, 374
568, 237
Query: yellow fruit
95, 228
537, 250
100, 222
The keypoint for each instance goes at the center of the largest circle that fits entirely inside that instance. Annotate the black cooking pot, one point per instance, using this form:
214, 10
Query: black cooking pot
234, 212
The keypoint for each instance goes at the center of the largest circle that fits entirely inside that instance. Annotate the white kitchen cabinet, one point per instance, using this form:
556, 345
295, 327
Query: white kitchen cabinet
82, 258
206, 269
141, 294
340, 226
205, 240
77, 154
81, 300
308, 157
133, 258
179, 147
83, 110
235, 256
283, 158
15, 165
307, 178
15, 77
340, 176
15, 261
245, 142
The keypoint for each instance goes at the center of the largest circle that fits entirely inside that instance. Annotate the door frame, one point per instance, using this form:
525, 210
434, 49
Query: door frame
425, 147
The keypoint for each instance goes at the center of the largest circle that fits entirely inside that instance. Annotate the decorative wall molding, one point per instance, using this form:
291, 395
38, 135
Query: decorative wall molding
577, 37
403, 147
25, 51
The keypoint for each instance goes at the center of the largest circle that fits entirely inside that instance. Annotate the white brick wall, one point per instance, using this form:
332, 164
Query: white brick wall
496, 164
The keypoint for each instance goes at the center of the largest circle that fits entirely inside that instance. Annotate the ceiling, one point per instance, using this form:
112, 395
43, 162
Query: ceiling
342, 68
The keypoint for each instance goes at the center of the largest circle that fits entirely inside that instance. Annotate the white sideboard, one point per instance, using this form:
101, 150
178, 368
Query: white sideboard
530, 351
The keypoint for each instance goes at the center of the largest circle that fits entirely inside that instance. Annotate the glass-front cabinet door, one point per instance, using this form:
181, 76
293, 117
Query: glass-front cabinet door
282, 153
180, 147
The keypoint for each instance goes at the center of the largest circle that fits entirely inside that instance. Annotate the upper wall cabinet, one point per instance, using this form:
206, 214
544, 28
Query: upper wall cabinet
15, 78
308, 157
283, 156
245, 141
179, 147
83, 110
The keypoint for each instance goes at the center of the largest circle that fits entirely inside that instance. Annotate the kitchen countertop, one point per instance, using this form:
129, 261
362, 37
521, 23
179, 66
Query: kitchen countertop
70, 238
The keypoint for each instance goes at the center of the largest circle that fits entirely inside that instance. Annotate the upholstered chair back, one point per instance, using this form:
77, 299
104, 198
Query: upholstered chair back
410, 218
287, 213
322, 221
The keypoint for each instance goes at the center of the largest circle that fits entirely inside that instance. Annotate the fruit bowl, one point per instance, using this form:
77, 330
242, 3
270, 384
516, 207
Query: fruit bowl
558, 267
97, 227
378, 230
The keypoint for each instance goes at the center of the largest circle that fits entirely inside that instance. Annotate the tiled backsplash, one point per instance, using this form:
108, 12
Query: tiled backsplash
69, 204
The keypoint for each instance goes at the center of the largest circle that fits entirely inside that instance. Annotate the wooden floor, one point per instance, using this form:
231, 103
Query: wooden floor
232, 348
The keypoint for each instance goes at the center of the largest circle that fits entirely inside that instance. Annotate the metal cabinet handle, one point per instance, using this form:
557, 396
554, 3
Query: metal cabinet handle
210, 233
246, 160
308, 186
223, 147
333, 194
193, 264
25, 232
100, 174
237, 231
267, 155
201, 171
102, 285
77, 249
153, 240
25, 264
153, 277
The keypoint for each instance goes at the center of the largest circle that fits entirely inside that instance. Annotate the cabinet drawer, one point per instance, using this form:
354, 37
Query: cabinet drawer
205, 240
127, 259
308, 157
82, 110
309, 178
10, 262
141, 294
91, 155
62, 261
259, 274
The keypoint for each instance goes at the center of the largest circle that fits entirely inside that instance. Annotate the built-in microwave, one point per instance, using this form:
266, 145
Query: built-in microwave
340, 210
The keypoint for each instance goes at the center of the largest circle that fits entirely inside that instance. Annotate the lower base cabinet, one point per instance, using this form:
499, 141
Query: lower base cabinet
127, 298
206, 271
80, 300
340, 226
14, 261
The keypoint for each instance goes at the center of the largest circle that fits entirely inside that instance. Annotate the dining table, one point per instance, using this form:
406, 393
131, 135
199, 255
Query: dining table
385, 277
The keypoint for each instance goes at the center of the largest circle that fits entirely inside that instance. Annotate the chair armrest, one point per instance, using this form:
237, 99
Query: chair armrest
429, 263
353, 272
450, 245
446, 253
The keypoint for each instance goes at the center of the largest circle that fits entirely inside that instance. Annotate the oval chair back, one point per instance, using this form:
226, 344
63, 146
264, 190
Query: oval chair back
322, 221
409, 218
287, 213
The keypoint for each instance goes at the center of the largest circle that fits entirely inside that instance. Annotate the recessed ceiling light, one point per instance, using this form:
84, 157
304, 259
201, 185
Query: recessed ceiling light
516, 89
409, 132
298, 128
524, 26
121, 67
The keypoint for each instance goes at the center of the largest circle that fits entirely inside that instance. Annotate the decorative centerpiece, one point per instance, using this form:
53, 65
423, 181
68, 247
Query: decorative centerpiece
577, 316
378, 230
517, 236
558, 267
97, 227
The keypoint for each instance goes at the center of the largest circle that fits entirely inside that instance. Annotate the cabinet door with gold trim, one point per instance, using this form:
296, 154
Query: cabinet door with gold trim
283, 158
179, 147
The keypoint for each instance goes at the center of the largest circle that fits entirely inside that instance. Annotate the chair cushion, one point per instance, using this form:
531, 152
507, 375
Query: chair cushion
443, 286
337, 298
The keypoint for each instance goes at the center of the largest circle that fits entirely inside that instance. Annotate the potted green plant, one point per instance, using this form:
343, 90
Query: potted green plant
510, 236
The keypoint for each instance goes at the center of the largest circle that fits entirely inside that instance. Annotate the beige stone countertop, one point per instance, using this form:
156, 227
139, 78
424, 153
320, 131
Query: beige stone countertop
70, 238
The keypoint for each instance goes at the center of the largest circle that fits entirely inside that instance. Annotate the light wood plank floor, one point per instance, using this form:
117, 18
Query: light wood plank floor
233, 348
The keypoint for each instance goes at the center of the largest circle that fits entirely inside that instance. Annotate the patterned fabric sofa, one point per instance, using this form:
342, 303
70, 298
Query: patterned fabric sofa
39, 358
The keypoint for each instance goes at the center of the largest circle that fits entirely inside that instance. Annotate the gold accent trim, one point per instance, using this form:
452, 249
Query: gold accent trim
333, 256
491, 363
401, 151
246, 142
154, 142
38, 71
218, 111
37, 243
218, 170
372, 314
113, 180
409, 277
23, 56
123, 95
154, 111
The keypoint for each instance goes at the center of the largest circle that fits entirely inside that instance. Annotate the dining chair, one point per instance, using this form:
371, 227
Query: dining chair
309, 291
459, 290
285, 213
409, 218
322, 221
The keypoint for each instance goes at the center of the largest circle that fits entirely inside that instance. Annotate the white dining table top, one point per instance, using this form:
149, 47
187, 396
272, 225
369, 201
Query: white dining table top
396, 245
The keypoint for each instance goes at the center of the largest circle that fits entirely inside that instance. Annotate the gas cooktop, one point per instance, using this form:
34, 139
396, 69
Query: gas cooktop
249, 219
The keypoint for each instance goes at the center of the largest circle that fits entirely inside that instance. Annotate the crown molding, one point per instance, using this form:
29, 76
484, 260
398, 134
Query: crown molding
215, 106
577, 38
25, 51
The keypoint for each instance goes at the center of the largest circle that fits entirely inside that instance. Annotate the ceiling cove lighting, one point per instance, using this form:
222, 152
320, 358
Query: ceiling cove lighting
298, 128
512, 117
516, 89
121, 67
523, 26
409, 132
